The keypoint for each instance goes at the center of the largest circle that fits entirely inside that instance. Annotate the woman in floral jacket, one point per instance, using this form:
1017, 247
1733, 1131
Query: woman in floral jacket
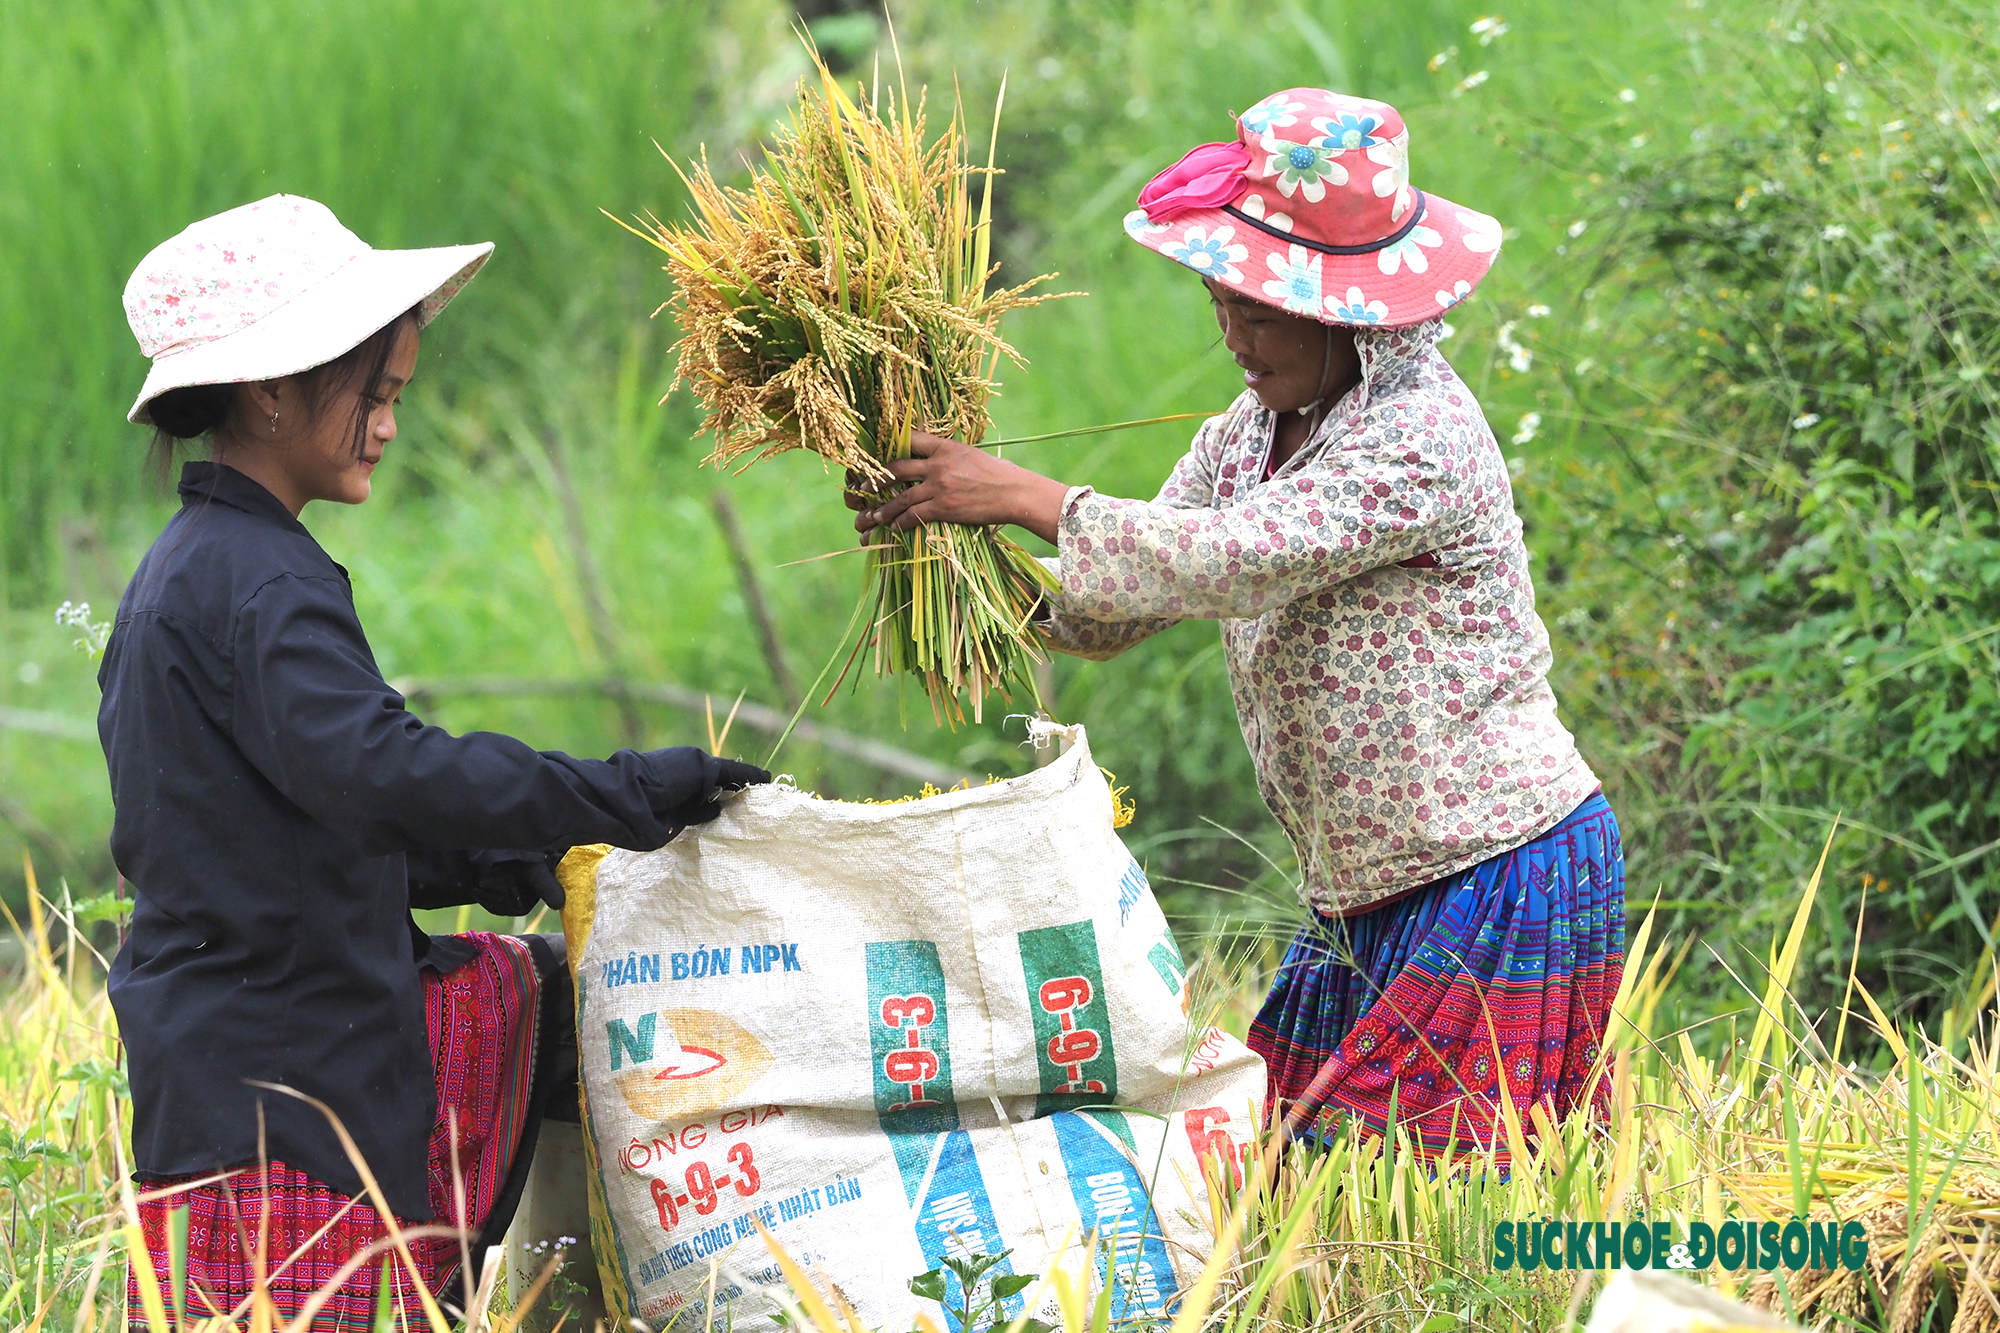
1349, 521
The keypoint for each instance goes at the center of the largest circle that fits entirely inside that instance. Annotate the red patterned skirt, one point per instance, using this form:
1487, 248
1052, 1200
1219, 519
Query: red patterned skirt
482, 1019
1418, 1010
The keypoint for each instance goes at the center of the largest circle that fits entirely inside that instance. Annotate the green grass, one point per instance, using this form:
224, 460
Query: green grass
419, 124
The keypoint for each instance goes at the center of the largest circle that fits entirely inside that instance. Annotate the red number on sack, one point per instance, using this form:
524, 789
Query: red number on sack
1213, 1143
1064, 993
910, 1066
747, 1179
701, 1188
663, 1202
918, 1009
1078, 1046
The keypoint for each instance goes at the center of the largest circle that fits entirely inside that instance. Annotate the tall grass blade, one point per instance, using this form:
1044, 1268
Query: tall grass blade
1777, 990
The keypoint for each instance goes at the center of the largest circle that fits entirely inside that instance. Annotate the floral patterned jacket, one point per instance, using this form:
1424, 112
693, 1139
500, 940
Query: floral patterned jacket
1389, 670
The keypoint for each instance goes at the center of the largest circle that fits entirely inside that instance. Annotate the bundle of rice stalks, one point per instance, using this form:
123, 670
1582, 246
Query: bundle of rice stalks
839, 302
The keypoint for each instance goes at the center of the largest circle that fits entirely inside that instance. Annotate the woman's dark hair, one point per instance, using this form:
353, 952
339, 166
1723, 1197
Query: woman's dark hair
200, 410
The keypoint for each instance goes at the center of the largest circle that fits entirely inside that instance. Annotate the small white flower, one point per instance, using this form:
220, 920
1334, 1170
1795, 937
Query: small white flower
1274, 112
1441, 59
1295, 281
1577, 228
96, 633
1301, 168
1489, 29
1357, 309
1585, 366
1804, 419
1407, 252
1469, 82
1531, 422
1833, 231
1627, 96
1538, 312
1482, 234
1445, 329
1210, 255
1395, 156
1254, 206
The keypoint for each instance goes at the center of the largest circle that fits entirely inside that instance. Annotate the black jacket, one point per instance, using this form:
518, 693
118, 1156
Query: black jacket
268, 787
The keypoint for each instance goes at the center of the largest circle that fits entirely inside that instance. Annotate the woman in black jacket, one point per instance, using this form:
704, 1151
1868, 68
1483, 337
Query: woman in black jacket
279, 811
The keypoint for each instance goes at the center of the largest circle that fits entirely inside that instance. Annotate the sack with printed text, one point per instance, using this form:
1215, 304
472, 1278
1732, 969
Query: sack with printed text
894, 1034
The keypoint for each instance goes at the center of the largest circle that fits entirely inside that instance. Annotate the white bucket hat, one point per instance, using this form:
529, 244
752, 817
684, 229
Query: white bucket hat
274, 288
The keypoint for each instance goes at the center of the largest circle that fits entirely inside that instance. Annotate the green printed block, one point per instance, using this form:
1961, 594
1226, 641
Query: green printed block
910, 1050
1073, 1047
1166, 960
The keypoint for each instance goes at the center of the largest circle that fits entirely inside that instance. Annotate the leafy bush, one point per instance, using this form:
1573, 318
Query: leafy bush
1795, 342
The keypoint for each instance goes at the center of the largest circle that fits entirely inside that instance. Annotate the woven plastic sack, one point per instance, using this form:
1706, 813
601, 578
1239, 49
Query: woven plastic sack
891, 1034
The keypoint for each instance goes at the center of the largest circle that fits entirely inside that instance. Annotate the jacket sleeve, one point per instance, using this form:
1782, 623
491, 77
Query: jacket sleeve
1374, 501
313, 714
1068, 625
441, 878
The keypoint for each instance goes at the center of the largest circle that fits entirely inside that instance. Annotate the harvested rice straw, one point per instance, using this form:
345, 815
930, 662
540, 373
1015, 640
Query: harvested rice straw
837, 304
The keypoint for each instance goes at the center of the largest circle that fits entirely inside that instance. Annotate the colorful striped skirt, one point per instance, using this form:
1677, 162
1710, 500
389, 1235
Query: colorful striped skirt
482, 1019
1503, 971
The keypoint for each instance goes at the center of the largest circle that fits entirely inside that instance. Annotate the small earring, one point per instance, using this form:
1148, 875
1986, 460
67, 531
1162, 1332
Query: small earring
274, 423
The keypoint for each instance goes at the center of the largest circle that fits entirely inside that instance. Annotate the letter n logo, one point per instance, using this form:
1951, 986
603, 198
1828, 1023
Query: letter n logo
627, 1046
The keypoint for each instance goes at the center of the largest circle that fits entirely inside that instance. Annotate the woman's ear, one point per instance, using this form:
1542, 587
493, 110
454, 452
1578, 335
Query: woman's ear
263, 397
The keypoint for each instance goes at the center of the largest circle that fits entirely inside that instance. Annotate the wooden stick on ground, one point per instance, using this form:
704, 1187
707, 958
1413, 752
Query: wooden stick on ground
753, 599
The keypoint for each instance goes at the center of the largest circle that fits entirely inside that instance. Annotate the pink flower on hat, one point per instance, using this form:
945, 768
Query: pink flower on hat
1206, 177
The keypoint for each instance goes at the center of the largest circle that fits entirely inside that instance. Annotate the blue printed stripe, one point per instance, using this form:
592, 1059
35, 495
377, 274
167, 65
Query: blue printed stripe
1112, 1199
955, 1217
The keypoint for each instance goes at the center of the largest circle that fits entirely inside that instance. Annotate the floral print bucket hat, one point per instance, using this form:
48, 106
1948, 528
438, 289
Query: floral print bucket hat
1311, 208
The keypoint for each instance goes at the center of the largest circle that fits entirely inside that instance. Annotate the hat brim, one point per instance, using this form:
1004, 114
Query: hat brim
1435, 265
326, 321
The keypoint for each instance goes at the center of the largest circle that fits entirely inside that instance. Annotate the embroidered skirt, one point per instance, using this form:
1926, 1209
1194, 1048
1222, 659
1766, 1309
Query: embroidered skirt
482, 1020
1503, 971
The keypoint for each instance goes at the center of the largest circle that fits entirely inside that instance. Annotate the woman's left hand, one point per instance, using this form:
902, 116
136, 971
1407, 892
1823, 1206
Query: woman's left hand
956, 483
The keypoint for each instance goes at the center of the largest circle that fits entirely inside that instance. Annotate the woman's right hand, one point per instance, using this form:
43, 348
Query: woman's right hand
951, 482
685, 784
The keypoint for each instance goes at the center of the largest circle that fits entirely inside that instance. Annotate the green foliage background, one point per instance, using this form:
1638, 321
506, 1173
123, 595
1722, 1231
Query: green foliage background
1758, 623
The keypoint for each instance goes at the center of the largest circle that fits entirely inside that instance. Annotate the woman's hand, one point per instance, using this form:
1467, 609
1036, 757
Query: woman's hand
956, 483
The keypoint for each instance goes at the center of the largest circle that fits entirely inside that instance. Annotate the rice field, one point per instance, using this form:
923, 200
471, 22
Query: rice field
1762, 1114
549, 529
